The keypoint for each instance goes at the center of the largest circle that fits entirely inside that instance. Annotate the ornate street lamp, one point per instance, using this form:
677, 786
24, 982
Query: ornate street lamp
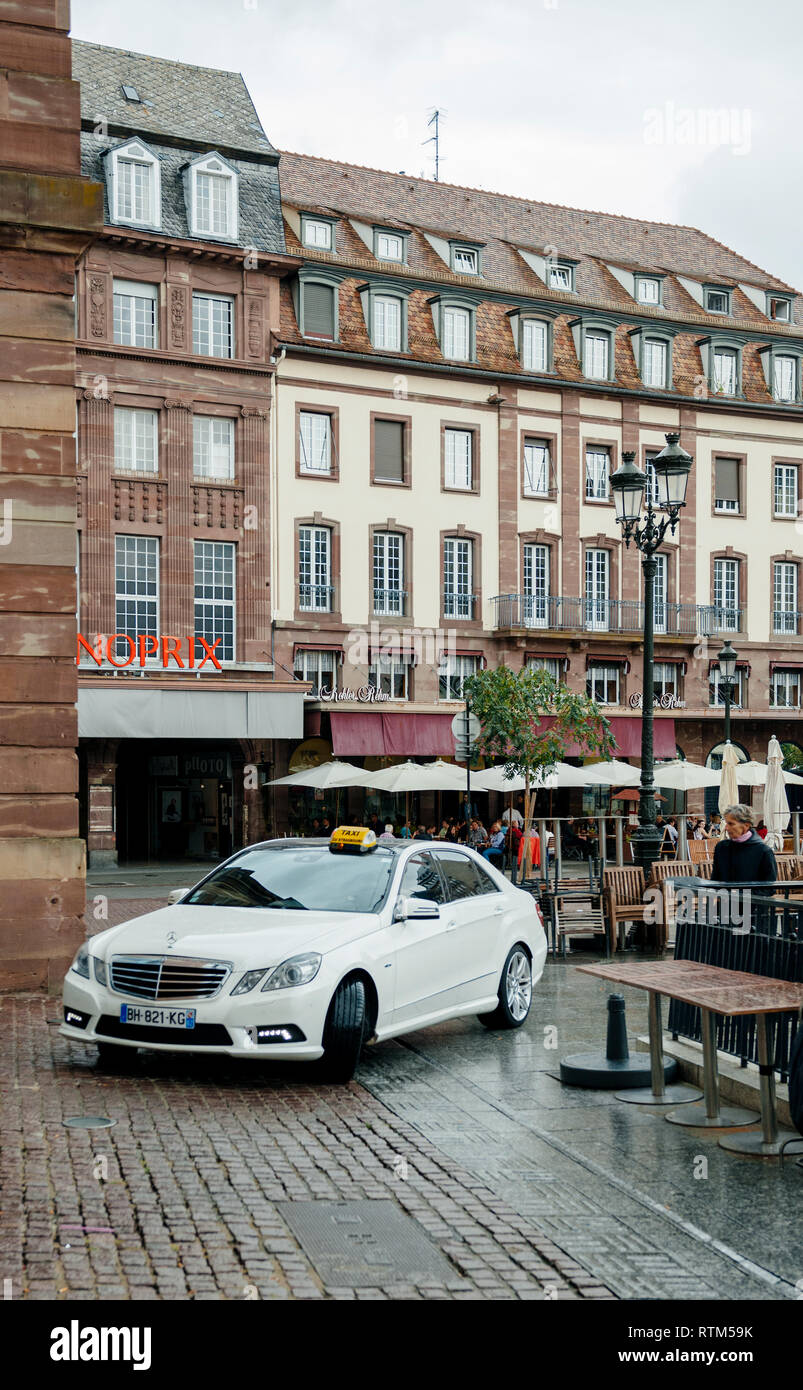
726, 660
629, 487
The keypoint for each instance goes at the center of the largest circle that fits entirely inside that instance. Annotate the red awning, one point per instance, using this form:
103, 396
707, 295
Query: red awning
379, 734
626, 731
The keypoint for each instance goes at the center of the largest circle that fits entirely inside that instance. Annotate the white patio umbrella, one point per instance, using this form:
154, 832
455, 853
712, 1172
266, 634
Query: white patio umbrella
331, 774
612, 773
776, 805
728, 789
683, 776
753, 774
420, 777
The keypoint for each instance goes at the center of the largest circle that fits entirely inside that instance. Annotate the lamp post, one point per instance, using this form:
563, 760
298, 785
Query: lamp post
726, 659
629, 487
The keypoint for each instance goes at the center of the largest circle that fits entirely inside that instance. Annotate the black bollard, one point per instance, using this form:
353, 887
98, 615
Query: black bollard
617, 1070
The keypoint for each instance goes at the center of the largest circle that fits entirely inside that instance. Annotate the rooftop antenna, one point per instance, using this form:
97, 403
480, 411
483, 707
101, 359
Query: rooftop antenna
435, 120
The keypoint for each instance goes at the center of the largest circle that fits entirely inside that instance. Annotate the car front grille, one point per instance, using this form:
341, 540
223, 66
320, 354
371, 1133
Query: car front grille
168, 977
202, 1035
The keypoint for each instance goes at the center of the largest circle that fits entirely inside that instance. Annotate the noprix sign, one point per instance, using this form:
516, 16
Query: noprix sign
148, 649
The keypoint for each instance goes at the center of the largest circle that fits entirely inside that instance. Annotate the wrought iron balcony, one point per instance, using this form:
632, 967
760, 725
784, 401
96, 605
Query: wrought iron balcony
785, 623
560, 614
316, 598
458, 605
390, 603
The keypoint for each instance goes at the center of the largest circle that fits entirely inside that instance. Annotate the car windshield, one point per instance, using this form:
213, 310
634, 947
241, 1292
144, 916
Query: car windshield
310, 878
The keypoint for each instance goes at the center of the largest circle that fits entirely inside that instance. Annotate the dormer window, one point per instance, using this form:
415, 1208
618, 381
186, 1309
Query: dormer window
134, 185
317, 232
779, 308
213, 198
648, 289
454, 317
388, 246
560, 275
465, 260
725, 374
717, 299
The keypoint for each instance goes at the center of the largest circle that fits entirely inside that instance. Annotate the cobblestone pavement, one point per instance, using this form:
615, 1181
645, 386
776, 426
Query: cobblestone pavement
530, 1188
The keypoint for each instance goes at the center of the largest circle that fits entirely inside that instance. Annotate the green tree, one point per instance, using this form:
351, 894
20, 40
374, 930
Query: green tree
511, 707
792, 756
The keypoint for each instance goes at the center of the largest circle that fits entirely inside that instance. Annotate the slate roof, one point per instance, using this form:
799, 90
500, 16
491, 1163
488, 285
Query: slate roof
205, 106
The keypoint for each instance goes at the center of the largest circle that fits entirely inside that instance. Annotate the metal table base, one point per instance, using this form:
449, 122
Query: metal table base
766, 1142
659, 1093
711, 1115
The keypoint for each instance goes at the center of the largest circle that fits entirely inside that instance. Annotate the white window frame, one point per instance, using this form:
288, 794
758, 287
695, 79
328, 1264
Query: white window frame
642, 281
785, 581
786, 681
315, 569
660, 592
452, 671
387, 574
390, 674
784, 366
537, 464
597, 592
779, 300
213, 167
598, 473
319, 667
136, 610
666, 679
535, 584
315, 442
387, 322
454, 315
223, 577
605, 673
782, 474
135, 152
654, 362
471, 258
729, 384
535, 345
727, 504
721, 294
597, 352
203, 326
458, 577
383, 246
321, 238
726, 581
553, 665
559, 276
458, 459
213, 447
136, 432
716, 698
137, 302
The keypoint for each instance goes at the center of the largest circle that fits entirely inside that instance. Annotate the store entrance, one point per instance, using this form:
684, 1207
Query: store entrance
174, 806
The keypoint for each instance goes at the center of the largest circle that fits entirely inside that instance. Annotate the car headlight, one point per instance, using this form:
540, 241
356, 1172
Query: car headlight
249, 981
298, 970
81, 963
100, 970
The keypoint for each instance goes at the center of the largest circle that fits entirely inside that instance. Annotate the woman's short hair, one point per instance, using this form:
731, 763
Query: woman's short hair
741, 813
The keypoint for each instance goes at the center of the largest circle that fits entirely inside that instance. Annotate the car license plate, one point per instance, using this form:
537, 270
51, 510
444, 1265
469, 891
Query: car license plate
157, 1018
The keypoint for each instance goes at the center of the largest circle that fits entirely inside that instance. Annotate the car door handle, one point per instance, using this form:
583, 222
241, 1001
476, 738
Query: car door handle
450, 924
498, 911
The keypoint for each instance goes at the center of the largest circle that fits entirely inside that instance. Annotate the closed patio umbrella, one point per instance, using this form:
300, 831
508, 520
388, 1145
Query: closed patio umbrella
776, 805
728, 789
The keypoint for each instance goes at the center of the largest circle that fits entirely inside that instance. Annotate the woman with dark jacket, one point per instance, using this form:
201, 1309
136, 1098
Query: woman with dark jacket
742, 856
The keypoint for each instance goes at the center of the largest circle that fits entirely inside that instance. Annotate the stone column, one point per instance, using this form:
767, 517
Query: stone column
96, 447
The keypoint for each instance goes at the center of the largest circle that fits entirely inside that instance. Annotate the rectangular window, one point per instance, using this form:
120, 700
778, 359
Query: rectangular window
212, 447
553, 665
389, 451
665, 679
598, 465
136, 440
388, 572
315, 441
716, 694
535, 577
654, 364
458, 600
602, 684
458, 461
537, 470
725, 371
456, 334
319, 310
212, 193
134, 190
660, 594
317, 233
595, 356
784, 378
726, 594
726, 485
597, 573
389, 247
214, 595
315, 569
212, 325
651, 490
559, 277
781, 310
136, 589
784, 597
391, 676
136, 314
464, 260
648, 291
387, 322
452, 673
320, 668
785, 690
717, 301
786, 486
534, 354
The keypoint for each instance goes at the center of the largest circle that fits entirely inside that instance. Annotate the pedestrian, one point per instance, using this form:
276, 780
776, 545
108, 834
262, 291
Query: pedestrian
387, 834
761, 830
742, 856
513, 815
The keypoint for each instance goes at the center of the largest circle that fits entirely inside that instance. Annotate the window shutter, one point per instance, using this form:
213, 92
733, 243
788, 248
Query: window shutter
726, 487
389, 450
319, 310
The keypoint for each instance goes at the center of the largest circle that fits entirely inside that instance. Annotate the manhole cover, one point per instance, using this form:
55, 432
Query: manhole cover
364, 1243
88, 1122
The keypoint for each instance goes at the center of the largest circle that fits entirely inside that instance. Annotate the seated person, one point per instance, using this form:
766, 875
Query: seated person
494, 852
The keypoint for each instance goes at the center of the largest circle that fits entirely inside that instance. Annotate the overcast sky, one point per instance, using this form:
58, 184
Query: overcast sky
688, 112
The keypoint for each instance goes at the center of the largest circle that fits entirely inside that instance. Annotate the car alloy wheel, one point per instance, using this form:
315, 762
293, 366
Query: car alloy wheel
519, 984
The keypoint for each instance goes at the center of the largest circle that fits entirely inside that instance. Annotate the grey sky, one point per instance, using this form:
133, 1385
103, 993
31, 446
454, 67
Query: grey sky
688, 113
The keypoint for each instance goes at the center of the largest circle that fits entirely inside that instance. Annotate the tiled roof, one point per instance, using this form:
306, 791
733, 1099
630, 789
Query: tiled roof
200, 105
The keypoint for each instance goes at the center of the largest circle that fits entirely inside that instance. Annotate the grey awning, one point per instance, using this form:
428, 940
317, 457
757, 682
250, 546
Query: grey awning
215, 714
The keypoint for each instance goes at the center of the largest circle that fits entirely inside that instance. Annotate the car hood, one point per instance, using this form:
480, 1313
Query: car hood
250, 936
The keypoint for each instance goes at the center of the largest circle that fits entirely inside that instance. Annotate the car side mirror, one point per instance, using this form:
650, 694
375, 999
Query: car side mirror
416, 910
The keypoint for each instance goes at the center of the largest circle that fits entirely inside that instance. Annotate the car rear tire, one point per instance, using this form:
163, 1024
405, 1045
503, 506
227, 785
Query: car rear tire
515, 991
344, 1032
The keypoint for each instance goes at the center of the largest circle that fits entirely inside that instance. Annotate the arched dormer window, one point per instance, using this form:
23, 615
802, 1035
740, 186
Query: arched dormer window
134, 185
212, 202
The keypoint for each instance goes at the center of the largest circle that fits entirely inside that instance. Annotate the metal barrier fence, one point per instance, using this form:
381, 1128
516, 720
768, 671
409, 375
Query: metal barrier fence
740, 927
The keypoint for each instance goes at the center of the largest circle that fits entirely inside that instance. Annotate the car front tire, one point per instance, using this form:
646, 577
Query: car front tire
515, 991
344, 1032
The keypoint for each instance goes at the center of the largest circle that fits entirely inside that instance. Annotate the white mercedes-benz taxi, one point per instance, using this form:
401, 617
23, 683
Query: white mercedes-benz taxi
306, 949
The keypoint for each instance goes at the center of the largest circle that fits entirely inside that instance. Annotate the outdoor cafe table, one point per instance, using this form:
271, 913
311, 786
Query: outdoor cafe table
714, 991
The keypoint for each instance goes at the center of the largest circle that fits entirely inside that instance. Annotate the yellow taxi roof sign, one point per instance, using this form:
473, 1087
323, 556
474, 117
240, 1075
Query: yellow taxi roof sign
352, 839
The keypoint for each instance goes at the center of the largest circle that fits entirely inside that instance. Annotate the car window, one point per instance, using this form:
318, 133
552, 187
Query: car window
460, 875
486, 883
305, 877
421, 879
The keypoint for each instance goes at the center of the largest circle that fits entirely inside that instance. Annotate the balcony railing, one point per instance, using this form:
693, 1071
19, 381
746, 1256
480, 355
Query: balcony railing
560, 614
390, 602
458, 605
785, 623
315, 598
